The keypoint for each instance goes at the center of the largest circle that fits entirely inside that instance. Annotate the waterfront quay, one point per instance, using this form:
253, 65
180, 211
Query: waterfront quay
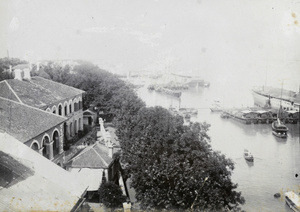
256, 115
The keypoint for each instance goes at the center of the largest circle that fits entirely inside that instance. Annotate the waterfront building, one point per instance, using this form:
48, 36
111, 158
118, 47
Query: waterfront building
40, 112
89, 117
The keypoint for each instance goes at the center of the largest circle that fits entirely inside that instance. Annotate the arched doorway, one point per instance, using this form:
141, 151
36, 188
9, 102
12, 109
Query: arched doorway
75, 127
55, 143
79, 124
71, 129
46, 151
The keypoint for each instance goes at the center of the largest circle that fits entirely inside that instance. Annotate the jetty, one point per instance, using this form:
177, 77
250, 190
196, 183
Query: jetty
256, 115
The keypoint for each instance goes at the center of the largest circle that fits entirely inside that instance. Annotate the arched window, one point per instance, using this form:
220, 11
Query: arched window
66, 108
70, 108
55, 143
35, 146
46, 150
60, 110
54, 109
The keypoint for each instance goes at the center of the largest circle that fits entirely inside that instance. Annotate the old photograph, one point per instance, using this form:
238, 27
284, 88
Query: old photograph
149, 105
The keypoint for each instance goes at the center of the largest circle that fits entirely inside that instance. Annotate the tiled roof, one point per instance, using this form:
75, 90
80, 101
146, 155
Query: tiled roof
39, 92
91, 157
30, 182
6, 92
24, 122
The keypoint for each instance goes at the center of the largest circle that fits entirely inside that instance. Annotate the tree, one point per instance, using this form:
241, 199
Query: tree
5, 64
111, 195
172, 166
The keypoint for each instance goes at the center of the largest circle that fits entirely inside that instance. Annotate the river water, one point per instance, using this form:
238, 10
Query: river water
276, 161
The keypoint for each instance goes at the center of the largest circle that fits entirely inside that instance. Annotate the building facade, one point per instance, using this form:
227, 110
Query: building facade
53, 112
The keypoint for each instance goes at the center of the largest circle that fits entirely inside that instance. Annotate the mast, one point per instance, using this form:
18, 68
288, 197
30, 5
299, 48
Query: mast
280, 107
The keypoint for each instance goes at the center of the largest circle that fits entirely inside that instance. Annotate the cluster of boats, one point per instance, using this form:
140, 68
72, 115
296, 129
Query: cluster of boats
162, 89
185, 112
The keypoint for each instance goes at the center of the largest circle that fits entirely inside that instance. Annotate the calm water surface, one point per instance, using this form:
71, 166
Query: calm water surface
276, 161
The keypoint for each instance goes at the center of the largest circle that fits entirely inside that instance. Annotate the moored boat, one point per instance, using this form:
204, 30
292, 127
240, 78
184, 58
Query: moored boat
279, 129
216, 106
269, 97
190, 111
248, 156
292, 200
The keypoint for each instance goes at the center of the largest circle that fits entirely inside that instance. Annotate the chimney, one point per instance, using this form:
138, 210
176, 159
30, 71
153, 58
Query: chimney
27, 74
110, 150
18, 75
37, 66
10, 69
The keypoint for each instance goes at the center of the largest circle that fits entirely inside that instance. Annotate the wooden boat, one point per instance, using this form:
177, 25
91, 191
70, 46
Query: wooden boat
216, 106
248, 156
279, 129
292, 200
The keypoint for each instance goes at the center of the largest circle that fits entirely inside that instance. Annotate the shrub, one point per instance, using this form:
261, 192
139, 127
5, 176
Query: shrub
111, 195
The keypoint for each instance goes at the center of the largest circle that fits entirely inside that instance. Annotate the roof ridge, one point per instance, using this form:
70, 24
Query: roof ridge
88, 148
12, 90
43, 111
58, 83
101, 157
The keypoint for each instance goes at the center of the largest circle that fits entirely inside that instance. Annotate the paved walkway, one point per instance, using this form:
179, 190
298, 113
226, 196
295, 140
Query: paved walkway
78, 146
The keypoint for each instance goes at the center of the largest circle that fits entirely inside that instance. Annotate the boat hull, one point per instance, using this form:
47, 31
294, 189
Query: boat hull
279, 130
279, 135
266, 98
249, 159
215, 109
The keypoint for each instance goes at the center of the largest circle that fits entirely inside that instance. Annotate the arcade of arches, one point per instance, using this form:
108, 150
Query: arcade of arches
50, 146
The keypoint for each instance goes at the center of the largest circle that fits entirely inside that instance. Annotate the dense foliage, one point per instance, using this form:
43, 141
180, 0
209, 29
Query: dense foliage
102, 89
173, 166
5, 64
111, 195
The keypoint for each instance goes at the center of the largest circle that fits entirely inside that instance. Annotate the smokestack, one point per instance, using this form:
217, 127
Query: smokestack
27, 74
18, 75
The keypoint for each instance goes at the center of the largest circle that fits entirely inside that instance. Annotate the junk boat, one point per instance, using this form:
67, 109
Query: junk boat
248, 156
279, 129
292, 200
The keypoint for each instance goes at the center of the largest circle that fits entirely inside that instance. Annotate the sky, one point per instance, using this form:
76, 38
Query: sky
229, 39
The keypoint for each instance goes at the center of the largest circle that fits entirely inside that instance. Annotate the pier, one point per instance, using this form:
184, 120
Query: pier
256, 115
